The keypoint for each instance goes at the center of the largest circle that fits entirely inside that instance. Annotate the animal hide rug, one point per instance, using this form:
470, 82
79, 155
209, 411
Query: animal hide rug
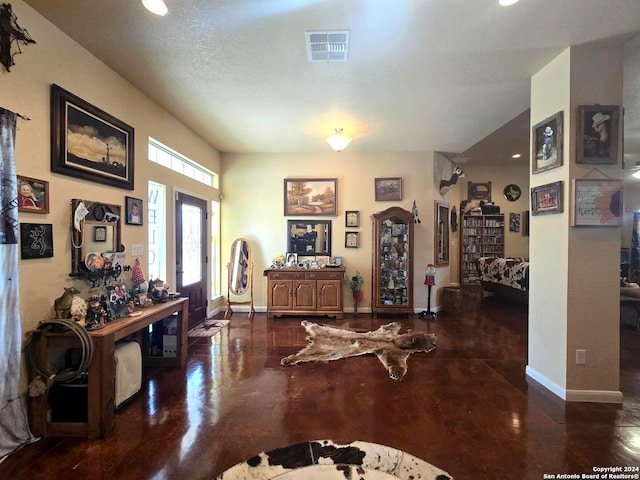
392, 348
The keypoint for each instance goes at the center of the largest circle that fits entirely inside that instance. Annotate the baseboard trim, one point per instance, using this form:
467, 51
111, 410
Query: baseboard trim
592, 396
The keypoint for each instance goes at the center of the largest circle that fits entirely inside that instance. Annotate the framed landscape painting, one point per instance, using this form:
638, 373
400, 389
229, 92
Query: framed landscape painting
388, 189
310, 196
89, 143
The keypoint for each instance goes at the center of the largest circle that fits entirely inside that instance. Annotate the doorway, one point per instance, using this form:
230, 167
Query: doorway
191, 254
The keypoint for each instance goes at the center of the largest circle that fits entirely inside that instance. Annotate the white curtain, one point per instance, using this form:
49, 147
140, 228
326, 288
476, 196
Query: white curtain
14, 427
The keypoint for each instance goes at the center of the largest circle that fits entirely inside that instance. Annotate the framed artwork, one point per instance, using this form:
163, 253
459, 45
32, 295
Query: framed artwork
310, 196
352, 218
441, 229
336, 261
133, 210
33, 195
352, 239
36, 240
291, 258
99, 234
597, 134
388, 189
597, 203
309, 237
547, 144
479, 191
89, 143
514, 222
547, 199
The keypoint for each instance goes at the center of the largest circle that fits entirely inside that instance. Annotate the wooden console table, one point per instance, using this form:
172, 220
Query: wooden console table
101, 371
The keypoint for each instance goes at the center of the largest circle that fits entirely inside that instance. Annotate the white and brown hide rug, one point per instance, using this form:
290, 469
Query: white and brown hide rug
391, 347
332, 460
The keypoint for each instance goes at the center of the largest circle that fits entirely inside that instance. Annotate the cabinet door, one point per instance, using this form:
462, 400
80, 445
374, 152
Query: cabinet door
280, 294
304, 294
329, 295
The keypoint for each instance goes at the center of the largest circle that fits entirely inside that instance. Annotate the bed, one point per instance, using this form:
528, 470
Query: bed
508, 277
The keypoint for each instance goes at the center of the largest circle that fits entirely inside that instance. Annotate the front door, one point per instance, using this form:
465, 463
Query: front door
191, 254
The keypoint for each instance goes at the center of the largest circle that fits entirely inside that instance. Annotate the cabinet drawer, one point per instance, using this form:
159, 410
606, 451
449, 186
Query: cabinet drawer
324, 275
286, 275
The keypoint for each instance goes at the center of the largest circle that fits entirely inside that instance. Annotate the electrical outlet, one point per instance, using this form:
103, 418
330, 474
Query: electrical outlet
581, 357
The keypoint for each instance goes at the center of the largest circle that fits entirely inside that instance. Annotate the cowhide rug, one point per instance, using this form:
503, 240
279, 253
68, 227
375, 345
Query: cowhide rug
392, 348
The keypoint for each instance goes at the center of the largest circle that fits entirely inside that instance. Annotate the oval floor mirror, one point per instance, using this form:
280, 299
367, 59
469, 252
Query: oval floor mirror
240, 280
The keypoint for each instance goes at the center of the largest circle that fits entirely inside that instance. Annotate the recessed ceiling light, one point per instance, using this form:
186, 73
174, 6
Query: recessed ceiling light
506, 3
155, 6
516, 155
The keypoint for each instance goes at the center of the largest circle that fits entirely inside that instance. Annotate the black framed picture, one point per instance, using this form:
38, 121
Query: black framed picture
89, 143
352, 218
133, 207
100, 234
36, 240
352, 239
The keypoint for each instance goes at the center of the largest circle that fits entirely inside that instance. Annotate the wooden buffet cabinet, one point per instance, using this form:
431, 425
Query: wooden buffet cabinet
293, 291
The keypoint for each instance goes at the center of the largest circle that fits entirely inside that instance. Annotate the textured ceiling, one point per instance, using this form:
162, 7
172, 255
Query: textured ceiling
421, 75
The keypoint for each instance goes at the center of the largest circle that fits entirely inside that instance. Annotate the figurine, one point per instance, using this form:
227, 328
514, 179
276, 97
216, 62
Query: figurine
95, 313
78, 309
62, 304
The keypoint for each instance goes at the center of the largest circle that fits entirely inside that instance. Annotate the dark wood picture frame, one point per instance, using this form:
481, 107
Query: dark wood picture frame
479, 191
134, 211
310, 196
99, 234
309, 237
597, 134
388, 189
36, 240
597, 203
546, 150
441, 233
89, 143
352, 218
547, 199
36, 200
352, 239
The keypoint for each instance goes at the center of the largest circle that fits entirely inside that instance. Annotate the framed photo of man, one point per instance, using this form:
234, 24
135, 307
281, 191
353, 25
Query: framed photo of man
134, 212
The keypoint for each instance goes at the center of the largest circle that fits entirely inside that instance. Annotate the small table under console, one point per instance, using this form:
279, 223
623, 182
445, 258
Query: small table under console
101, 371
298, 291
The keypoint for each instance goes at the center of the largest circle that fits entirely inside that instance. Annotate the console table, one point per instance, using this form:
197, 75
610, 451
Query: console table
101, 371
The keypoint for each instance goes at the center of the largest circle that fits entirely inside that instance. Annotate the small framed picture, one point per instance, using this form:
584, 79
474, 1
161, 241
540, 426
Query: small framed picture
133, 211
352, 218
99, 234
336, 261
597, 203
547, 144
479, 191
514, 222
388, 189
291, 258
33, 195
547, 199
36, 240
352, 239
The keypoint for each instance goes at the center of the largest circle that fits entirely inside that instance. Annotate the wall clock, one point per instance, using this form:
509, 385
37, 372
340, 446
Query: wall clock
512, 192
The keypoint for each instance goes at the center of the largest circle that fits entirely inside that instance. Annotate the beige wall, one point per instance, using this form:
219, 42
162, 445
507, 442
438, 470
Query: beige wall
55, 58
574, 292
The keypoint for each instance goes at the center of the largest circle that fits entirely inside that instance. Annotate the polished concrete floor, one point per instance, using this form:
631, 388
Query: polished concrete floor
466, 408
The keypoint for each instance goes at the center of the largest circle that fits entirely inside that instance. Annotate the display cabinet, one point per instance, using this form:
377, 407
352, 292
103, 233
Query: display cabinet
392, 261
482, 236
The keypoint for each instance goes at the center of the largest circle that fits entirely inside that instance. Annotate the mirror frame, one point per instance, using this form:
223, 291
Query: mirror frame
441, 229
291, 246
233, 265
98, 211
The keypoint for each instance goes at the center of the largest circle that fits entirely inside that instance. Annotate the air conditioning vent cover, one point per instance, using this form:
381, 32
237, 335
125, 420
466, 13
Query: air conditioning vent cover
328, 46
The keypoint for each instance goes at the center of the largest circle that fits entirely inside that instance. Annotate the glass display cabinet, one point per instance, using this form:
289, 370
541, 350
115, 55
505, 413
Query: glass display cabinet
392, 261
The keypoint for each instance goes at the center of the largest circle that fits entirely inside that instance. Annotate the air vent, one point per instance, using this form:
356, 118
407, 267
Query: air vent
330, 46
